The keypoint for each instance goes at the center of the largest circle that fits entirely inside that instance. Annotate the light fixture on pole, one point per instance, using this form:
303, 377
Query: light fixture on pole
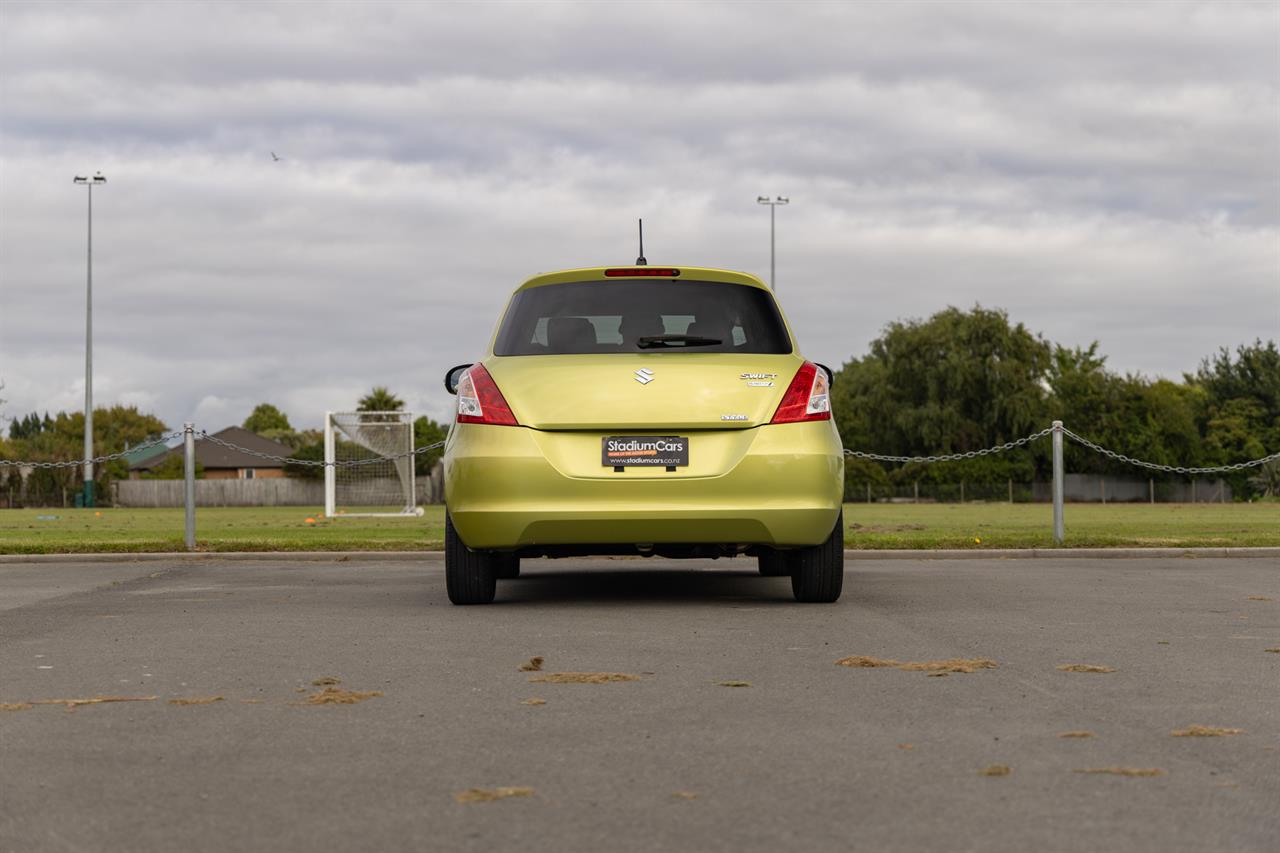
96, 180
773, 209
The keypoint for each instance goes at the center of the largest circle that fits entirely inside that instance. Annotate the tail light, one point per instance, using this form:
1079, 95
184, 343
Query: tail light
808, 397
480, 401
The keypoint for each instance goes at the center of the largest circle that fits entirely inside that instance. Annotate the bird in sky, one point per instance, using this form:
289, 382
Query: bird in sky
274, 158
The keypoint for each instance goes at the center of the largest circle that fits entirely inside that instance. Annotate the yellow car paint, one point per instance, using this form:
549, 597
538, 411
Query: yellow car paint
542, 483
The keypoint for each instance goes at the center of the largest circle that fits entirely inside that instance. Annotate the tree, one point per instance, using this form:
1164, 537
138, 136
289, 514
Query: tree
1241, 412
114, 429
1267, 481
1253, 373
60, 438
959, 381
1242, 397
173, 467
425, 432
313, 452
294, 439
380, 400
266, 417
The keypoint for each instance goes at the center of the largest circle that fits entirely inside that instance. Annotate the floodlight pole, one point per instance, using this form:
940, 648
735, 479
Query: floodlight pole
773, 209
97, 179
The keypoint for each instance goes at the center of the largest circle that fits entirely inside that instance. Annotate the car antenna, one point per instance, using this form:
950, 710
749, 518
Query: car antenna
640, 261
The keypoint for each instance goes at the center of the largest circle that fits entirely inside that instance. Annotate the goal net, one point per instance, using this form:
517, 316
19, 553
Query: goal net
383, 484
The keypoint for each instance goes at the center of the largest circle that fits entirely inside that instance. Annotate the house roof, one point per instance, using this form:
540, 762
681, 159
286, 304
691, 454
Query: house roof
138, 455
215, 456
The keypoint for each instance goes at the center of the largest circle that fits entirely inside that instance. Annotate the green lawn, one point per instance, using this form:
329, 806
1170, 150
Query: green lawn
990, 525
995, 525
217, 529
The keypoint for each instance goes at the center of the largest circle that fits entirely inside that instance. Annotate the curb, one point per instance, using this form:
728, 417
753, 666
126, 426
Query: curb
438, 556
1057, 553
227, 556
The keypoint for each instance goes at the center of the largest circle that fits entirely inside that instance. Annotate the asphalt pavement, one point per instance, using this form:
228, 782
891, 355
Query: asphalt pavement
804, 755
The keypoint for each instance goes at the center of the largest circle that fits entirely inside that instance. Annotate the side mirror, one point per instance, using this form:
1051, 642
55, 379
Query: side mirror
831, 377
454, 376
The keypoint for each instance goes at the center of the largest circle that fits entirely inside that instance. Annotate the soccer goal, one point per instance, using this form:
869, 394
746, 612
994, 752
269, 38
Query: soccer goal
382, 487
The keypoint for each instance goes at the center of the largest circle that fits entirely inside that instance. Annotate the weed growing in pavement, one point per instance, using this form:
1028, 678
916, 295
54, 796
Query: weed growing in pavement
488, 795
72, 704
583, 677
1205, 731
935, 667
338, 696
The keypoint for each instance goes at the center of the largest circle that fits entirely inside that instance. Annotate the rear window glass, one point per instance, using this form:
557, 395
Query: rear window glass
641, 316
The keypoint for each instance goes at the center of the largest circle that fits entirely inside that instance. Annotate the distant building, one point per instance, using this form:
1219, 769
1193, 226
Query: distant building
223, 463
137, 456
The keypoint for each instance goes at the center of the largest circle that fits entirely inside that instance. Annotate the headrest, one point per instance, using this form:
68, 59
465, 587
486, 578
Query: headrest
570, 334
636, 326
717, 329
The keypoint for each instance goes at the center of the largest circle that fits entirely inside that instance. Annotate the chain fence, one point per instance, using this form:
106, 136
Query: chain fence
1079, 439
952, 457
97, 460
319, 463
1172, 469
878, 457
1057, 431
859, 454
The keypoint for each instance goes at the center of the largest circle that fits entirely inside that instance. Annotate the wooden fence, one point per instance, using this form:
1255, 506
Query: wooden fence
284, 491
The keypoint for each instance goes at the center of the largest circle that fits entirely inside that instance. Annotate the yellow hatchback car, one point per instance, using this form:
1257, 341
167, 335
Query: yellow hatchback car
643, 410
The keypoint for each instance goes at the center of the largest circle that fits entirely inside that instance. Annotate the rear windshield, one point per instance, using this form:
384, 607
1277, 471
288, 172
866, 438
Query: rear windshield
641, 316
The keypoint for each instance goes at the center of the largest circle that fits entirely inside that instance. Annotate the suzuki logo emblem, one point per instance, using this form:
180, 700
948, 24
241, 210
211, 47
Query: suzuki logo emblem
644, 376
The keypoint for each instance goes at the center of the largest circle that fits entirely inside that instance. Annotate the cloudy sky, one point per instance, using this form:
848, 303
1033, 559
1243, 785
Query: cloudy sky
1102, 171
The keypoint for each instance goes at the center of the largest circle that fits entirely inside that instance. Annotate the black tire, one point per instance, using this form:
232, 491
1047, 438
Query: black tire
469, 576
817, 574
506, 566
774, 563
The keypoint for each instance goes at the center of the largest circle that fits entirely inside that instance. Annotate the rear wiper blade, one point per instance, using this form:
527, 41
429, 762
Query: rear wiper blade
651, 341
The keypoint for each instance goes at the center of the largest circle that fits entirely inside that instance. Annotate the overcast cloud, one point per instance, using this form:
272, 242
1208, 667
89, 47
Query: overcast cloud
1104, 172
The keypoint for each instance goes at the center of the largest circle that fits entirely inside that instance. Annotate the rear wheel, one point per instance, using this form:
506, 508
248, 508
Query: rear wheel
774, 563
470, 576
817, 573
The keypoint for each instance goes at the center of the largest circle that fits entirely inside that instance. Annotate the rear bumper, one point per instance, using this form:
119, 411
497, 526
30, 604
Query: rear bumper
782, 486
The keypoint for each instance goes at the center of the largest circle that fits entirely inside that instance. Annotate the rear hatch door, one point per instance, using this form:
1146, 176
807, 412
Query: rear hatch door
644, 391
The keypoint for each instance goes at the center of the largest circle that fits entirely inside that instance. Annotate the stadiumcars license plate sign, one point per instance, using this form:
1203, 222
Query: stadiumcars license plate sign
656, 450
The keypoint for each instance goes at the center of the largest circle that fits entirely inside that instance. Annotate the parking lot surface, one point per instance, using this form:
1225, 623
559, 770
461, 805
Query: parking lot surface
802, 754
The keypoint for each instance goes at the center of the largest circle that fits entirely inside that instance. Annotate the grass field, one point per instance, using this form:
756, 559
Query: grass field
51, 531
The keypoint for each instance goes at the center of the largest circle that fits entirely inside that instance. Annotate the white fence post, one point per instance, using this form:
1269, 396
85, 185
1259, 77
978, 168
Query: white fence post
330, 473
189, 471
1058, 531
